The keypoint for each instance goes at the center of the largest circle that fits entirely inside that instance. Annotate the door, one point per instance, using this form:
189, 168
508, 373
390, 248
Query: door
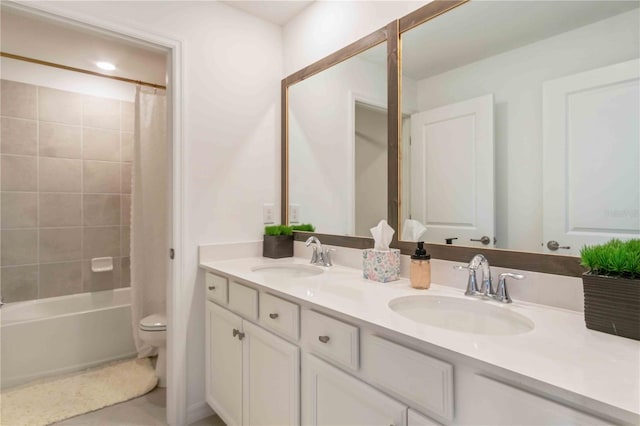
331, 397
224, 364
271, 379
452, 171
591, 157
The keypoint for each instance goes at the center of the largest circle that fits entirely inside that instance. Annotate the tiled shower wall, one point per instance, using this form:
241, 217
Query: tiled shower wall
65, 191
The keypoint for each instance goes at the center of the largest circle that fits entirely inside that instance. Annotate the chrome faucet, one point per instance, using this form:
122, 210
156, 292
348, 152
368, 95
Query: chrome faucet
321, 255
486, 290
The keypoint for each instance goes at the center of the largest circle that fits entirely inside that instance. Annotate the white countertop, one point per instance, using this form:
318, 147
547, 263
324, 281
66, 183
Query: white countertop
559, 351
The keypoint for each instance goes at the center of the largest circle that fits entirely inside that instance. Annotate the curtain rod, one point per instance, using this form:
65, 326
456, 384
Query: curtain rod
65, 67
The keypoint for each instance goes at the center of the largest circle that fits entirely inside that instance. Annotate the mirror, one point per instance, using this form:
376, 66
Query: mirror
337, 145
520, 125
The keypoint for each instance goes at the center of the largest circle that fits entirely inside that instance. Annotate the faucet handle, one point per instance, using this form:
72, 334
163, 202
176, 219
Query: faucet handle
326, 255
502, 294
472, 283
464, 268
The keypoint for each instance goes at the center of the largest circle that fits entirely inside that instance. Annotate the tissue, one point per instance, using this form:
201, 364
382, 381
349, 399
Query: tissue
382, 235
381, 263
412, 230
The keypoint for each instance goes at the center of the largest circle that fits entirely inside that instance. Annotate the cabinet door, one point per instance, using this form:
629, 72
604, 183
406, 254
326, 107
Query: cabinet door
331, 397
224, 364
271, 379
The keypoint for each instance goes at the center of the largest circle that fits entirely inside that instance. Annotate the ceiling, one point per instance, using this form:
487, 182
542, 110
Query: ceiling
277, 12
37, 37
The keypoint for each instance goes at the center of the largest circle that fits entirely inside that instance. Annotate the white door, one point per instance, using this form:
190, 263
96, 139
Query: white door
452, 171
591, 157
224, 364
271, 379
331, 397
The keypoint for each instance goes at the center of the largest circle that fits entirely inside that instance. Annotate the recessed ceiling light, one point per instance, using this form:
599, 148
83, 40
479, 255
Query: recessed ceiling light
107, 66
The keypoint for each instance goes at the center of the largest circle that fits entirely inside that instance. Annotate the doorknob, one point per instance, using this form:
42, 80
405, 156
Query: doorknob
484, 240
554, 245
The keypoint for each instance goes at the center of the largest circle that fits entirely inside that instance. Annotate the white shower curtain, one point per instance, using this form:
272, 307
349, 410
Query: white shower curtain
149, 207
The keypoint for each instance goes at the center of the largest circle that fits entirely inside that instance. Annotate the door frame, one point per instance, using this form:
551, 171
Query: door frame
177, 302
354, 97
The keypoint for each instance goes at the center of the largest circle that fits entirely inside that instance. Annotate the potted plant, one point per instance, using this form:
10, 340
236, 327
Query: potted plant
277, 242
612, 287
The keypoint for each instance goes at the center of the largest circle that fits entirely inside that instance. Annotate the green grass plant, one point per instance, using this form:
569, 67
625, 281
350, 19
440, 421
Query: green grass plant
615, 258
307, 227
276, 230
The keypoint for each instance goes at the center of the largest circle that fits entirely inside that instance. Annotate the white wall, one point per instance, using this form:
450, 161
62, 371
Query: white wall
515, 78
231, 75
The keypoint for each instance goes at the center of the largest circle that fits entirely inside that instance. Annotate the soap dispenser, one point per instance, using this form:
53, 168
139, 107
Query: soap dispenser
420, 273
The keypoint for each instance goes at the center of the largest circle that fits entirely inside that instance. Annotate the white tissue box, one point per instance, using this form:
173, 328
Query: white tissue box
380, 265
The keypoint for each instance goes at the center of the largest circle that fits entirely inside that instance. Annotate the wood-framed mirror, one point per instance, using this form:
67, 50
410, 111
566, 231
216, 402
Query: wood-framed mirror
523, 125
338, 141
603, 33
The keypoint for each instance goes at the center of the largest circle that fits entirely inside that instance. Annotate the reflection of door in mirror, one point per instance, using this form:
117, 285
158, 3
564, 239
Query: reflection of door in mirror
592, 157
452, 171
370, 165
512, 49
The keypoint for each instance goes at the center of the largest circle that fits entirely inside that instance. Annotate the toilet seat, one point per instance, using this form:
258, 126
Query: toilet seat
154, 322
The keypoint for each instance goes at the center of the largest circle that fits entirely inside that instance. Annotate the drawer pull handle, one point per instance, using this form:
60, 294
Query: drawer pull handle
323, 339
212, 287
273, 316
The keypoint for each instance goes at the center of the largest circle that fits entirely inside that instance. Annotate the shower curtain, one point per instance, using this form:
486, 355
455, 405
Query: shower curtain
149, 207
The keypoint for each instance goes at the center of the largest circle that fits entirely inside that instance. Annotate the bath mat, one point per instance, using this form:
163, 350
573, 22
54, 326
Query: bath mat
47, 402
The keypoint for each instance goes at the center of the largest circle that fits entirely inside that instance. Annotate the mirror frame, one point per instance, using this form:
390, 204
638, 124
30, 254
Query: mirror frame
391, 33
388, 34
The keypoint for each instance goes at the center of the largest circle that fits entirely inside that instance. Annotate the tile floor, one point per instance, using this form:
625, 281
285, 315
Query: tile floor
147, 410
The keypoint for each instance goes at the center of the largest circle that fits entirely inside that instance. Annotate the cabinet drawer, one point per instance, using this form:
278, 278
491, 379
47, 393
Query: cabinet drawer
243, 300
280, 315
331, 338
518, 406
216, 288
424, 381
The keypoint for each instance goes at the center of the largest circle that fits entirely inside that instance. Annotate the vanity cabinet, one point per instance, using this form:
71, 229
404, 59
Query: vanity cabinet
275, 360
333, 397
252, 375
512, 405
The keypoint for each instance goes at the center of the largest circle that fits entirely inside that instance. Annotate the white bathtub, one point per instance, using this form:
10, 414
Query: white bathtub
58, 335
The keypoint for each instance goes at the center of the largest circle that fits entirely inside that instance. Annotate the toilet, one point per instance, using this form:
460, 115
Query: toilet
153, 331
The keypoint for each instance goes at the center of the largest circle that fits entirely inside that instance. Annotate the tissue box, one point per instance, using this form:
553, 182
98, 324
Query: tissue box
383, 266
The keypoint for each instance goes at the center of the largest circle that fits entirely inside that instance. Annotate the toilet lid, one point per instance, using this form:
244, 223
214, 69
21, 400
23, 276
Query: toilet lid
154, 322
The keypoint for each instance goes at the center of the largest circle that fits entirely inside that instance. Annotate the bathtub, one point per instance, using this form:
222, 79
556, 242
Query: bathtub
58, 335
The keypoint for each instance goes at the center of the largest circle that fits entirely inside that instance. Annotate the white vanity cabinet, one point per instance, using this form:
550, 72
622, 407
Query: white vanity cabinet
252, 375
276, 359
511, 405
332, 397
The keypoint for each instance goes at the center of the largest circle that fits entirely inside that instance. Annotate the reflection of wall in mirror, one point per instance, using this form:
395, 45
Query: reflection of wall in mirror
321, 161
515, 78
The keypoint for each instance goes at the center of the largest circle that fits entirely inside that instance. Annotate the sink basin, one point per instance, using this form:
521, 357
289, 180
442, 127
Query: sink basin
288, 270
473, 316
